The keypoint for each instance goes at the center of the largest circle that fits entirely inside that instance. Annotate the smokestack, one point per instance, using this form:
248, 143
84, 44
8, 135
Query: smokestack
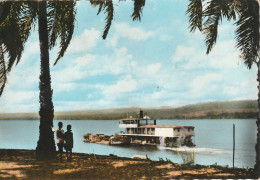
141, 114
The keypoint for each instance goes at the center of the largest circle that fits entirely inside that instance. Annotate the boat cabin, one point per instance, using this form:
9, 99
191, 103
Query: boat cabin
146, 130
156, 130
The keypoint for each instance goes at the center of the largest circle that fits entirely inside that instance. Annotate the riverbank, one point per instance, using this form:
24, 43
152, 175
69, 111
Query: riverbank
244, 109
21, 164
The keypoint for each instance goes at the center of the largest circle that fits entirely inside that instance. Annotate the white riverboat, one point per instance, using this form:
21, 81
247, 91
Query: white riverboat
145, 131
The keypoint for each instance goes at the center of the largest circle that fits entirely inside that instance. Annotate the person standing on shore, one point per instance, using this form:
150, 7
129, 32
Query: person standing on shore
60, 138
68, 137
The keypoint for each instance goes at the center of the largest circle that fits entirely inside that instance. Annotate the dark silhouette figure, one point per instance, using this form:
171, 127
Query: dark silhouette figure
68, 137
60, 139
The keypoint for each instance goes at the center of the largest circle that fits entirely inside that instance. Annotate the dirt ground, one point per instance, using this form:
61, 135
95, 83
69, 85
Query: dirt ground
21, 164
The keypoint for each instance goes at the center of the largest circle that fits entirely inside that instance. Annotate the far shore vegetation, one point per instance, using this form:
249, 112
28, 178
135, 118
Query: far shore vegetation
243, 109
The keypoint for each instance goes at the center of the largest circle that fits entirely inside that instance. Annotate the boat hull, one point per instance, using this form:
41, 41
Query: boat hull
157, 140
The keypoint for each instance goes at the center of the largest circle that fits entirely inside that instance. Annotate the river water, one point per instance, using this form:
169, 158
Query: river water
213, 139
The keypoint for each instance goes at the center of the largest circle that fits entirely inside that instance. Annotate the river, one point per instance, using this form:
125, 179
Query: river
213, 139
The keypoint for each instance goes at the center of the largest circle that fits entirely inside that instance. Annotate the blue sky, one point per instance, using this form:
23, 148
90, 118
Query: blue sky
153, 63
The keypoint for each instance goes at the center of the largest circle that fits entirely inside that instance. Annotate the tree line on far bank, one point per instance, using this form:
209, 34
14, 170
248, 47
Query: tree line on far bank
246, 109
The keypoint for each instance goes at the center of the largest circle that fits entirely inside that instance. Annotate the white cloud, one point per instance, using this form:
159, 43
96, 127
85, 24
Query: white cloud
75, 69
123, 86
19, 101
132, 33
21, 96
85, 60
33, 47
188, 57
112, 41
244, 89
118, 62
124, 30
159, 94
224, 55
153, 68
204, 84
70, 105
87, 40
68, 74
166, 37
63, 87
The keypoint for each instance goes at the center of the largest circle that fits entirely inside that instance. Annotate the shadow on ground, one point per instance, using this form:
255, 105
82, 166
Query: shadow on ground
22, 164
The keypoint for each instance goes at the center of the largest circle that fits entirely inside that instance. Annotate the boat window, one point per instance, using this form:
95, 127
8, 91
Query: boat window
128, 122
153, 131
142, 122
150, 122
149, 131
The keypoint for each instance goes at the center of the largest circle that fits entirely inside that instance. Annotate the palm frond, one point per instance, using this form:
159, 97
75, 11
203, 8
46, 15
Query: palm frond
247, 32
195, 15
213, 13
10, 37
138, 8
27, 19
229, 8
61, 18
16, 21
3, 71
4, 10
96, 3
214, 16
110, 15
15, 30
108, 7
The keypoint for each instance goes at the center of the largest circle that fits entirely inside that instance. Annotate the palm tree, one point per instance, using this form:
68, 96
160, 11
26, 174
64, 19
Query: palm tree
50, 27
55, 21
206, 17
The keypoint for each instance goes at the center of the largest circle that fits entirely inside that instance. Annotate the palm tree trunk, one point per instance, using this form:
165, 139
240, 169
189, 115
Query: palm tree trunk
46, 146
257, 146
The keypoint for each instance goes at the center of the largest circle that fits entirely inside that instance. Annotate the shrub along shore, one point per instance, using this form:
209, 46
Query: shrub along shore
22, 164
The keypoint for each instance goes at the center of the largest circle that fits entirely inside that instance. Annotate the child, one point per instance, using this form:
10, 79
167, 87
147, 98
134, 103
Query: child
60, 138
68, 137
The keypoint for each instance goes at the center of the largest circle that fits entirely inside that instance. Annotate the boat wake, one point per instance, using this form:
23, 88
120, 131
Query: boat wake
198, 150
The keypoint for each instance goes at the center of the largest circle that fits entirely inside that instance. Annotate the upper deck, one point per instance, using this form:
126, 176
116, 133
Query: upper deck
146, 127
159, 130
135, 122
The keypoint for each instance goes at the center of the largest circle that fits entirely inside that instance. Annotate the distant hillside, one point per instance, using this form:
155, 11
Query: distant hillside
210, 110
